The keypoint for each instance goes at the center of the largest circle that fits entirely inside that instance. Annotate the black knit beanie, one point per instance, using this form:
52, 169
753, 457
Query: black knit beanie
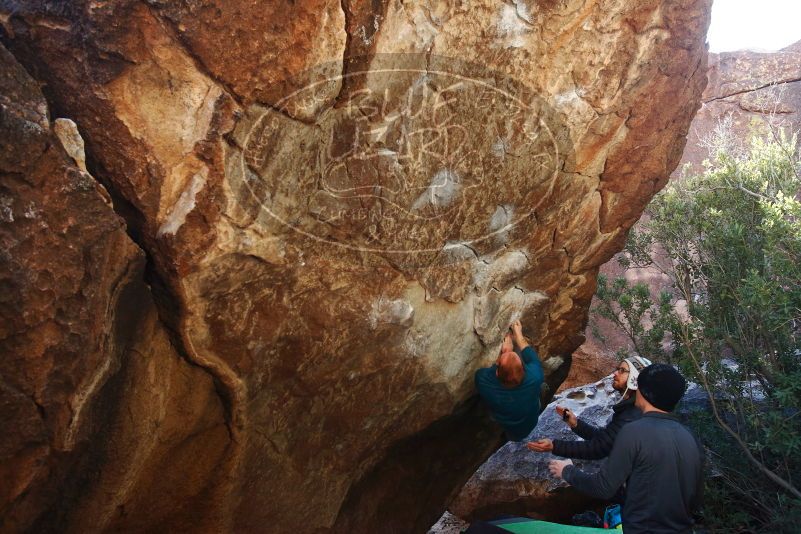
661, 385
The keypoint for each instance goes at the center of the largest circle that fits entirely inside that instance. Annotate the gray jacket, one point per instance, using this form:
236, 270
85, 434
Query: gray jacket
662, 463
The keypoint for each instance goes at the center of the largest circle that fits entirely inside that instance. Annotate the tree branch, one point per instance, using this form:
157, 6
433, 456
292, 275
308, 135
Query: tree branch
759, 465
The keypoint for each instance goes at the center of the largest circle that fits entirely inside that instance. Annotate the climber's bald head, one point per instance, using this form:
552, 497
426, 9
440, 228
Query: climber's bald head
510, 369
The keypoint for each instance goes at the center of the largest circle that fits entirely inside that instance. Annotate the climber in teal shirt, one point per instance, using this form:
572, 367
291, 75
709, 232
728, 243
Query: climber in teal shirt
511, 387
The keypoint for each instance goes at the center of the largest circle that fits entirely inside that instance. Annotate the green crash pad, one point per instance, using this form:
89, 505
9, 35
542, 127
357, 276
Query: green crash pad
530, 526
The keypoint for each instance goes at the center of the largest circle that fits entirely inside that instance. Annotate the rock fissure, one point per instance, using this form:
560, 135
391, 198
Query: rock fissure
345, 6
175, 34
431, 20
43, 22
753, 89
87, 391
153, 273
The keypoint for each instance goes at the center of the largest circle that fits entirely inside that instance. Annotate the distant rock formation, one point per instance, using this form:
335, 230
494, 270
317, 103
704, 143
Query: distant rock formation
337, 208
747, 93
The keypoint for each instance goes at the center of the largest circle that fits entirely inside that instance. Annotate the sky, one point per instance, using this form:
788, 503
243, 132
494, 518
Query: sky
763, 25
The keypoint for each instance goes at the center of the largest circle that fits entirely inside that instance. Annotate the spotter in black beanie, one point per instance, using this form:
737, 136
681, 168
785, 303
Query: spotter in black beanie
661, 385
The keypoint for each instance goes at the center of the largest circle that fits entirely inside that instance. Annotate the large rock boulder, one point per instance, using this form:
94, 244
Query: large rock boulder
343, 206
516, 481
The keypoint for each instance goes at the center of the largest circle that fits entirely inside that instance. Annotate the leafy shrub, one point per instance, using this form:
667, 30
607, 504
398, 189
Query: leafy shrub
729, 241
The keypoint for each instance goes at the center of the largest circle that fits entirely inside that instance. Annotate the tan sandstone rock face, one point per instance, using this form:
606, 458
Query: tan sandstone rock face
344, 205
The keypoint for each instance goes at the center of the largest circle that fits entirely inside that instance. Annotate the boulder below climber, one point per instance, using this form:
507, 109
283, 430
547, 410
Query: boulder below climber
516, 481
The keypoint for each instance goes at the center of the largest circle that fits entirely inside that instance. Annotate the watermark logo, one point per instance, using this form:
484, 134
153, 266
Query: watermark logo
409, 158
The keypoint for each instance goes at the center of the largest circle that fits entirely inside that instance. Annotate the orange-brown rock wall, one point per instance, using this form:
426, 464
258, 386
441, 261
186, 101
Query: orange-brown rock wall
98, 410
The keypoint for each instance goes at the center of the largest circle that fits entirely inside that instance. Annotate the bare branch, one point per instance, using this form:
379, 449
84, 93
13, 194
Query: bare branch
784, 484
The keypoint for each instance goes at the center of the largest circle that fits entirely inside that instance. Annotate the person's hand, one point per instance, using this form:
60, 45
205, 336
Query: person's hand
541, 445
557, 466
517, 335
571, 417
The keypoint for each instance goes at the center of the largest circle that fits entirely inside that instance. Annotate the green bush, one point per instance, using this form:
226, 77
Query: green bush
729, 241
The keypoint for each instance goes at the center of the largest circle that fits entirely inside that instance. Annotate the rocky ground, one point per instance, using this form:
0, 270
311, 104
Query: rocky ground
449, 524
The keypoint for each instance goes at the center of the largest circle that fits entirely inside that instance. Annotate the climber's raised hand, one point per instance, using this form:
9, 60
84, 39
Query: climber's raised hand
517, 335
